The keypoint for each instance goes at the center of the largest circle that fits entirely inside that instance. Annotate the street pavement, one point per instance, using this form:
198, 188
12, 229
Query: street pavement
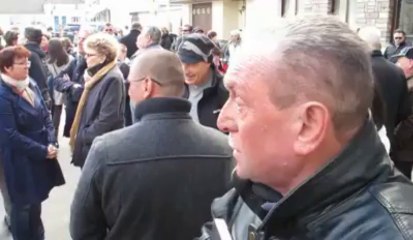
56, 209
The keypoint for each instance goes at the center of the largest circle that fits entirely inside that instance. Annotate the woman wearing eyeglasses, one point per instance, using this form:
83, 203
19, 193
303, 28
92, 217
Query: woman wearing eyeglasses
27, 144
101, 106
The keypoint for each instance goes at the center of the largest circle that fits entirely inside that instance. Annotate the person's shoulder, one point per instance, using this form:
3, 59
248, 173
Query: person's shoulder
396, 198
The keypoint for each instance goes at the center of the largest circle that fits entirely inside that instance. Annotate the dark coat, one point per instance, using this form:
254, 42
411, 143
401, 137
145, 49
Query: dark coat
124, 68
403, 150
166, 41
103, 112
73, 89
358, 195
37, 70
392, 86
212, 101
25, 133
158, 183
393, 50
130, 42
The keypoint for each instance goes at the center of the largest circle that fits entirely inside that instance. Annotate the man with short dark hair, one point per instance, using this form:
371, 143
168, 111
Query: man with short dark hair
156, 178
205, 89
399, 44
309, 162
37, 70
130, 40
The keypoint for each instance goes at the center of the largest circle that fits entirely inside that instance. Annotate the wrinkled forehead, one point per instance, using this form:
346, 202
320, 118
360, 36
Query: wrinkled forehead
242, 71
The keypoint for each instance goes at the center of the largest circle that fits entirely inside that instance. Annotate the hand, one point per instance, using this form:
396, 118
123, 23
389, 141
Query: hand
51, 152
66, 77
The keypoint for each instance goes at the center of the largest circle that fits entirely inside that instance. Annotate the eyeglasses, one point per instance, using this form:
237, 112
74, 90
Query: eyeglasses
144, 78
87, 55
28, 63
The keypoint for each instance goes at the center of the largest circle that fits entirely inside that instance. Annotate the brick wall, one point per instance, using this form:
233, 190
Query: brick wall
316, 6
378, 13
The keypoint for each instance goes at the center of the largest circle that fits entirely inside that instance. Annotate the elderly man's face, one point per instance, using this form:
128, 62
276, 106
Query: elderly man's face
143, 40
261, 135
406, 65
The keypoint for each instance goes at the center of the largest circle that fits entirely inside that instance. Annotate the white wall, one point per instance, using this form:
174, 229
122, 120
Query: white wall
218, 18
261, 13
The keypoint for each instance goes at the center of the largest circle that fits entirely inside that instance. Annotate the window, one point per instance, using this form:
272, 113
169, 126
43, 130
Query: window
406, 17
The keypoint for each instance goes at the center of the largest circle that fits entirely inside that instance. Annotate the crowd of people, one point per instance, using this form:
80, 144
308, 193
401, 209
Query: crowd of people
301, 132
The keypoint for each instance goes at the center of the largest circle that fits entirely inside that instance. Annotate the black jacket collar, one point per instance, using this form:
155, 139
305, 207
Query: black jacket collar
161, 105
376, 53
362, 162
35, 47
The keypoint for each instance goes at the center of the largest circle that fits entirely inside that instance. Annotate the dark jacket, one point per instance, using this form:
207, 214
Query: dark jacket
403, 150
392, 86
103, 112
130, 42
357, 195
37, 70
25, 133
166, 41
125, 68
393, 50
73, 89
212, 101
158, 184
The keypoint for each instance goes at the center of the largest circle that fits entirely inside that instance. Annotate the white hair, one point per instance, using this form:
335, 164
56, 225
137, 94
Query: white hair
371, 35
316, 58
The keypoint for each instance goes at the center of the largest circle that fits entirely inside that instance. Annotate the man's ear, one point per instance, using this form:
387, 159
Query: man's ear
313, 126
149, 88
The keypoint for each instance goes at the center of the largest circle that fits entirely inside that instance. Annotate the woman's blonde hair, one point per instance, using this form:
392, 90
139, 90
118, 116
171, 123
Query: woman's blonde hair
103, 44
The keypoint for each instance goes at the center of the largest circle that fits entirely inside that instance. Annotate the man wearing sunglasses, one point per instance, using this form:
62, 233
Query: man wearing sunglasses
399, 44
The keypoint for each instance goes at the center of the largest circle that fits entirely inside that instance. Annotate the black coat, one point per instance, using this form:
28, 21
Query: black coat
37, 70
392, 86
71, 88
212, 101
130, 42
358, 195
103, 112
153, 180
393, 50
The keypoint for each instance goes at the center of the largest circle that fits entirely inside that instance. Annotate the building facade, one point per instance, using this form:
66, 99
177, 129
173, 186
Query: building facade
226, 15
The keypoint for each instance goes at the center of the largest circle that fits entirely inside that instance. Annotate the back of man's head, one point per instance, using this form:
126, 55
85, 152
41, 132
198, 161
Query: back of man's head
371, 35
161, 67
154, 33
33, 34
324, 60
136, 26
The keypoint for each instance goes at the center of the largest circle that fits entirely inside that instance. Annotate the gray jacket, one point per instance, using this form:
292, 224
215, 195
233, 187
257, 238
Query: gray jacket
153, 180
102, 113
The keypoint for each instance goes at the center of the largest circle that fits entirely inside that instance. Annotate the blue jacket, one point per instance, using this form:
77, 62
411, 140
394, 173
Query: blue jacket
25, 133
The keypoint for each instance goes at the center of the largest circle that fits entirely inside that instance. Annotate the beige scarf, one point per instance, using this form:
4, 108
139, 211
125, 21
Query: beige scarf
83, 99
